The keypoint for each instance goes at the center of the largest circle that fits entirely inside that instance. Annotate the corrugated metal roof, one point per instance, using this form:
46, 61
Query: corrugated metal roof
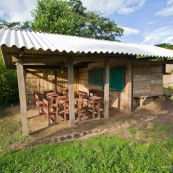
56, 42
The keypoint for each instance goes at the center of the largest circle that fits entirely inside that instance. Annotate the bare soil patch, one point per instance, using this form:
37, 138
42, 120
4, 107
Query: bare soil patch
152, 121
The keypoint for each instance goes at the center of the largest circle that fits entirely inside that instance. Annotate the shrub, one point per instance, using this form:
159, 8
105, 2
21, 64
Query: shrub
8, 85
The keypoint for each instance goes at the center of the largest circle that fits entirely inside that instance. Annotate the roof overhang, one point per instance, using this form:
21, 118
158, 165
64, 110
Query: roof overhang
49, 49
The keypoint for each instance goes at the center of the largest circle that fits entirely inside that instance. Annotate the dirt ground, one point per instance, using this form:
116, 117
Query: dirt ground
140, 124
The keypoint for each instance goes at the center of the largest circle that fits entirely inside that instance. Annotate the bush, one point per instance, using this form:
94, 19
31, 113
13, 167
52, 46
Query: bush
8, 85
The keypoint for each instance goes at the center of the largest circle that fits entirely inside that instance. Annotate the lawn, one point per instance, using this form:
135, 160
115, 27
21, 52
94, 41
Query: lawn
146, 146
98, 154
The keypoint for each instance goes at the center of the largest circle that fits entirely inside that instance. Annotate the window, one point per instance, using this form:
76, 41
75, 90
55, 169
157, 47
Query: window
95, 77
117, 77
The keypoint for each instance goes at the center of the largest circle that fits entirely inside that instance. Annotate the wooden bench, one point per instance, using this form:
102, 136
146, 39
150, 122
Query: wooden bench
142, 98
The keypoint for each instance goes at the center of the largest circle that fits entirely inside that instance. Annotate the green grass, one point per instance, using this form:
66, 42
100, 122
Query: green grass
10, 133
132, 130
161, 128
96, 155
153, 135
168, 89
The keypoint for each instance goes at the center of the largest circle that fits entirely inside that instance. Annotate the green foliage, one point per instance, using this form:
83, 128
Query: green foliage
11, 25
8, 85
17, 25
99, 154
165, 45
25, 25
71, 18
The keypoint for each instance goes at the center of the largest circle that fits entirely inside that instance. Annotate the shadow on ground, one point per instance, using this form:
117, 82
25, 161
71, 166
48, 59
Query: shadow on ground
119, 124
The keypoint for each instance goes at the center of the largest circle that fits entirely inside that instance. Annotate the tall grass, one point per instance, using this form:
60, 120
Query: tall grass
96, 155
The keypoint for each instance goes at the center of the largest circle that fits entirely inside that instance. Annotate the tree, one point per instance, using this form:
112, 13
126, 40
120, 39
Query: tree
165, 45
11, 25
15, 25
72, 18
26, 25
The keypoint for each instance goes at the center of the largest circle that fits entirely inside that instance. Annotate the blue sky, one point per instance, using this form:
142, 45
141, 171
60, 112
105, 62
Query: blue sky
144, 21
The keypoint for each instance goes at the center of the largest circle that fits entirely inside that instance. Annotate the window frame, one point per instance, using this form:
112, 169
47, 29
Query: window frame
102, 77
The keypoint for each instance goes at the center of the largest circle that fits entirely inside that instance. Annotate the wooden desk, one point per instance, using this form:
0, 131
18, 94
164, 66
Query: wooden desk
82, 94
64, 100
51, 97
50, 94
94, 102
99, 93
47, 92
96, 92
64, 91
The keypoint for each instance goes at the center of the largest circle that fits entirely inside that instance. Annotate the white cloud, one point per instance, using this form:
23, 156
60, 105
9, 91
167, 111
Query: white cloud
169, 2
159, 35
130, 31
109, 7
20, 10
152, 22
168, 40
167, 11
16, 10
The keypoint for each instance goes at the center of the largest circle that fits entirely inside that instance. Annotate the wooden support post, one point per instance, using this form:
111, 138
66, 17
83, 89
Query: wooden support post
54, 84
106, 88
22, 97
71, 90
130, 88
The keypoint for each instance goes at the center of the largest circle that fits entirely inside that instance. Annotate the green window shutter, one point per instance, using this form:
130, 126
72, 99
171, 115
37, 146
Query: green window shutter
94, 77
117, 78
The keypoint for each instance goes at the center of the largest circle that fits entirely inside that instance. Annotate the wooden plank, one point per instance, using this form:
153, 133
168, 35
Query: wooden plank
71, 90
156, 89
22, 97
156, 69
157, 82
141, 77
106, 88
96, 65
141, 87
130, 87
140, 70
156, 76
